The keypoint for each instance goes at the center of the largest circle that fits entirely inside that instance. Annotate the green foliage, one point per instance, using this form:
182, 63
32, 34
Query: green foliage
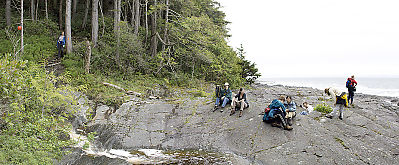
132, 59
249, 71
32, 122
198, 93
323, 108
39, 40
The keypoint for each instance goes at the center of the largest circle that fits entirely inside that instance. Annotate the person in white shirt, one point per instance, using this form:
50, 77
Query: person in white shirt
339, 103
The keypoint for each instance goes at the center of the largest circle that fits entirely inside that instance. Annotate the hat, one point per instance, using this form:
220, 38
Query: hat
226, 84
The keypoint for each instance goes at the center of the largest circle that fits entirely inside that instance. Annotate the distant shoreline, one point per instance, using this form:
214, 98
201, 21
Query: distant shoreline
386, 98
369, 86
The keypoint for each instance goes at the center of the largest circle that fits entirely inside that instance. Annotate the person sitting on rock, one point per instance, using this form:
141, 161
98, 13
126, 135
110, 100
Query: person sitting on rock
290, 107
240, 101
225, 97
340, 100
277, 113
307, 107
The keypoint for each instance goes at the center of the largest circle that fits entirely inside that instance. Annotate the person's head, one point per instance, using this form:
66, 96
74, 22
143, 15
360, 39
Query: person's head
282, 98
226, 85
326, 91
62, 33
305, 104
242, 91
353, 76
289, 99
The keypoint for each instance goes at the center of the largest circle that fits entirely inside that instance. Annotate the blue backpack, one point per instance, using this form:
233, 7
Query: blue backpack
348, 83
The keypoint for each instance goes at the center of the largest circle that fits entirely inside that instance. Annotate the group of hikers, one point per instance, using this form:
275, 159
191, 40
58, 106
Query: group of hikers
281, 112
225, 96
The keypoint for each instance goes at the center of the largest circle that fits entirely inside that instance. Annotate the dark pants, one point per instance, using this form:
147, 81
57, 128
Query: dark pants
350, 97
277, 116
60, 51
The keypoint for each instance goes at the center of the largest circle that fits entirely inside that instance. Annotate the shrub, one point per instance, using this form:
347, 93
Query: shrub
32, 123
323, 108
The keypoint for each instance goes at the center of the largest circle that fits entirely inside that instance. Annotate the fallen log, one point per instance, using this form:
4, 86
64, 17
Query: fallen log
114, 86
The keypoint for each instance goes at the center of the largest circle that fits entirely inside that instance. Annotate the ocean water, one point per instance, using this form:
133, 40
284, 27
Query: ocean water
373, 86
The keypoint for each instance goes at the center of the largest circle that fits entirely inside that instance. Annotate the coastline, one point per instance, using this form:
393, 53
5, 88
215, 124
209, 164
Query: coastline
367, 135
370, 86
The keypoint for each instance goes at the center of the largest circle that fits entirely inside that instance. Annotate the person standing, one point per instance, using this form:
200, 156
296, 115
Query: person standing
351, 85
340, 101
61, 45
240, 100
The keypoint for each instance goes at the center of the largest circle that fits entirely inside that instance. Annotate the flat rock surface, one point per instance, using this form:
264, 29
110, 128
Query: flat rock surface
368, 134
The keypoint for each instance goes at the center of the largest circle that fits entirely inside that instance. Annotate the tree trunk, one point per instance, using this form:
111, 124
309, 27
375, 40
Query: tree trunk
45, 3
32, 9
60, 15
146, 20
8, 12
137, 17
165, 35
88, 56
75, 4
102, 16
68, 29
22, 30
94, 23
132, 9
86, 14
117, 18
36, 9
154, 39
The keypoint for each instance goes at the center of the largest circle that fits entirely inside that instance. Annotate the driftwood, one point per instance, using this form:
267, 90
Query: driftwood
53, 64
114, 86
122, 89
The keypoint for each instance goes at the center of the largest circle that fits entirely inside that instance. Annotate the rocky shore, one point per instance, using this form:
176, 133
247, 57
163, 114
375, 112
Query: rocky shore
368, 134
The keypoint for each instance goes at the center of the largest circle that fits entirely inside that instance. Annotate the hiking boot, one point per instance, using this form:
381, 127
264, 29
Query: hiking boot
240, 114
288, 127
329, 116
232, 112
340, 117
221, 109
289, 121
215, 108
275, 124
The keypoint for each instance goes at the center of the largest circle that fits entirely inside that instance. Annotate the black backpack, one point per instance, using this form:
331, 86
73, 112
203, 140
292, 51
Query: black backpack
218, 91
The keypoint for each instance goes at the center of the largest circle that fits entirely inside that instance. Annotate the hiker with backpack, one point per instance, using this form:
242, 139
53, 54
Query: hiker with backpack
224, 97
61, 45
351, 85
275, 113
290, 107
239, 101
340, 101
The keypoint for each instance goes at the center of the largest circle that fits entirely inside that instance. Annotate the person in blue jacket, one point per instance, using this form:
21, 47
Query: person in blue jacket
277, 113
290, 109
224, 97
61, 45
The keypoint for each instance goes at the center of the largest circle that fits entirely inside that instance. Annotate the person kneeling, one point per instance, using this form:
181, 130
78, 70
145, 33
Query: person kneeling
239, 101
277, 113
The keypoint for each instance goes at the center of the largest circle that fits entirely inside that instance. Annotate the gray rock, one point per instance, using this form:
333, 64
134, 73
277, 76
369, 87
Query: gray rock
369, 130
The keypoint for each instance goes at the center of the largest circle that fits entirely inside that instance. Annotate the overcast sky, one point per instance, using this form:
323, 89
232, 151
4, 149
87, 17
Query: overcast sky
317, 38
